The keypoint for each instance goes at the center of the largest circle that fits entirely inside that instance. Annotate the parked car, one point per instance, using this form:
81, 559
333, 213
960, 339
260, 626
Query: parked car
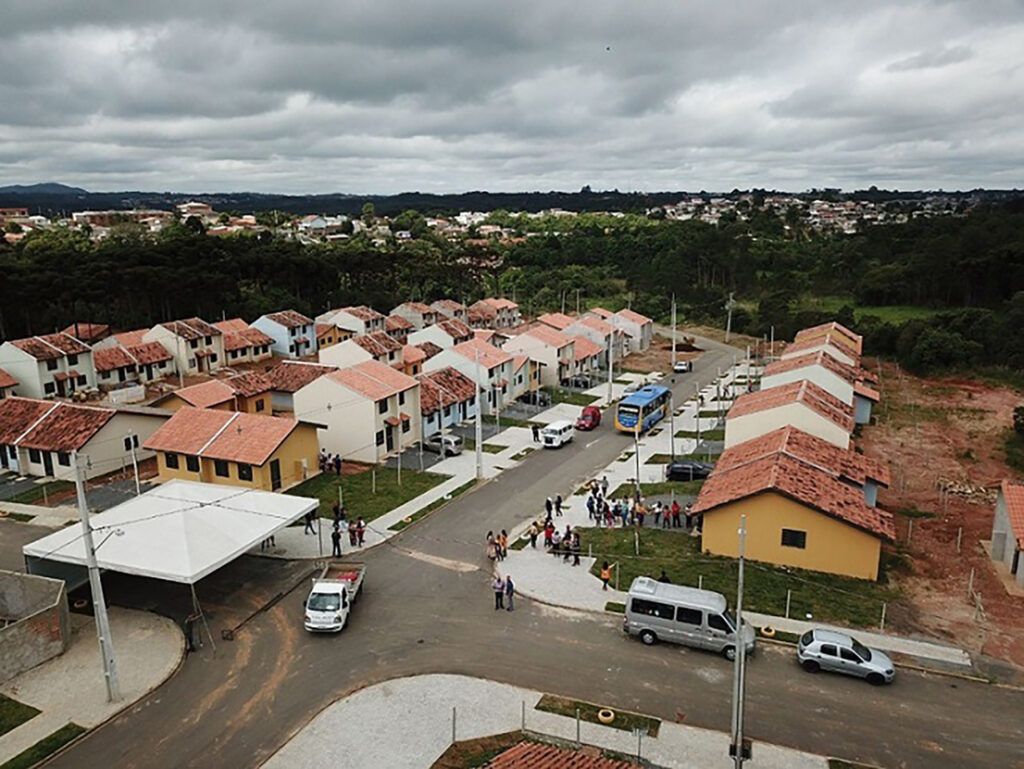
590, 418
557, 434
579, 382
687, 470
634, 388
452, 444
841, 653
332, 595
535, 398
682, 366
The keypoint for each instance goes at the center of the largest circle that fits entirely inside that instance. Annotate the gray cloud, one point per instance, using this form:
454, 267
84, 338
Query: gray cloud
451, 95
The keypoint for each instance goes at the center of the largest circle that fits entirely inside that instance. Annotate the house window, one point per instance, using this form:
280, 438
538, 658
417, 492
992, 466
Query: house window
382, 406
794, 538
192, 464
131, 442
33, 456
213, 357
391, 355
171, 460
208, 340
12, 452
405, 426
82, 380
292, 331
471, 402
401, 399
72, 360
49, 388
193, 343
220, 467
63, 459
380, 437
447, 411
233, 354
106, 374
259, 405
244, 472
161, 364
51, 365
291, 348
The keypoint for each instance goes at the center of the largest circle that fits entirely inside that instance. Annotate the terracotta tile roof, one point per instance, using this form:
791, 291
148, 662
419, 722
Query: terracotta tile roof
229, 435
839, 332
1013, 495
841, 463
812, 342
257, 338
864, 391
634, 317
518, 361
324, 328
584, 348
537, 755
548, 336
444, 387
417, 307
805, 392
373, 379
485, 334
87, 332
456, 329
820, 358
50, 346
18, 414
235, 341
290, 376
112, 358
378, 343
429, 349
597, 324
148, 352
289, 319
500, 303
481, 314
451, 305
131, 338
249, 384
800, 481
489, 355
68, 427
362, 312
397, 323
557, 320
601, 312
6, 380
412, 354
232, 324
191, 328
206, 394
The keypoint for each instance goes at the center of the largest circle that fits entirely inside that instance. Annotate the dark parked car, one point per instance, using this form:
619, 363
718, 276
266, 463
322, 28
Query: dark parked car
536, 398
579, 382
688, 470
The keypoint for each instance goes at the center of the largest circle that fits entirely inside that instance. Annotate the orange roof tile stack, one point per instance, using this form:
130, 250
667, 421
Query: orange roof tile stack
18, 414
557, 320
87, 332
838, 331
66, 428
635, 317
148, 352
537, 755
583, 348
456, 329
378, 343
548, 336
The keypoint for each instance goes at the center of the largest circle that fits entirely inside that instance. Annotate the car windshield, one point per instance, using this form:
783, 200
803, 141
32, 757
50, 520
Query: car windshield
324, 602
730, 618
862, 651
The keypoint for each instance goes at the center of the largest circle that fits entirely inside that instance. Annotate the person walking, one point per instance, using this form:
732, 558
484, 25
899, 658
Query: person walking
664, 578
576, 547
352, 533
498, 586
536, 432
510, 590
336, 542
606, 574
361, 531
558, 504
534, 531
675, 513
549, 533
503, 544
549, 506
310, 516
604, 485
656, 509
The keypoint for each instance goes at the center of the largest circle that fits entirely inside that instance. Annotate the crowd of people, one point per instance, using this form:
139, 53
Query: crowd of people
329, 463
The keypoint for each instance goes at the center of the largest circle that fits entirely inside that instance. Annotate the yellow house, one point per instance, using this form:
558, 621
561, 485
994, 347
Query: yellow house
798, 515
246, 392
235, 449
328, 335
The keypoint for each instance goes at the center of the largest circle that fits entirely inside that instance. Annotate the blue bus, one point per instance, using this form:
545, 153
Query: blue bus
646, 406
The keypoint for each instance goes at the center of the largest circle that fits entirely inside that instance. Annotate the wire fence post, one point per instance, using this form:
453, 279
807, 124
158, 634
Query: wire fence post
881, 624
453, 724
700, 581
522, 716
639, 738
910, 530
616, 575
577, 727
636, 541
789, 597
959, 538
970, 585
373, 479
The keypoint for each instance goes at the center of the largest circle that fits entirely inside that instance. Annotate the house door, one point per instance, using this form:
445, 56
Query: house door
3, 458
48, 462
121, 376
1016, 561
275, 475
389, 434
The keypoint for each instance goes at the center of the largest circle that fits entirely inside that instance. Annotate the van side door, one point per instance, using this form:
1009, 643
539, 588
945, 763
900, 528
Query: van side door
719, 632
689, 627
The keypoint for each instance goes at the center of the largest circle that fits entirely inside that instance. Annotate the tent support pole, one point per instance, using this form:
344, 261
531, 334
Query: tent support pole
198, 609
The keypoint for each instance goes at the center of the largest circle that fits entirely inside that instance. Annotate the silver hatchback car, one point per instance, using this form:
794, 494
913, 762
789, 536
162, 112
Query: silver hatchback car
840, 653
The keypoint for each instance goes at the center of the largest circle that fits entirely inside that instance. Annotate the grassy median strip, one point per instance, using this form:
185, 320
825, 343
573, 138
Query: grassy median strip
432, 506
660, 489
627, 722
360, 499
41, 492
13, 714
826, 597
523, 454
705, 435
20, 517
618, 608
45, 747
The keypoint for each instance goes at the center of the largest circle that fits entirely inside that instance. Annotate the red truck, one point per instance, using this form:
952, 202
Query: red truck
590, 418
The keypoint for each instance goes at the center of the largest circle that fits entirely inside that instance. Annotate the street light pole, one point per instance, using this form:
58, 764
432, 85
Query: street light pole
479, 422
673, 332
739, 670
672, 423
135, 463
611, 344
96, 588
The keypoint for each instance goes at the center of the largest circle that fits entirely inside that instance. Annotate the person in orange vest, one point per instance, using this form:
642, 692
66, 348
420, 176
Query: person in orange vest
606, 574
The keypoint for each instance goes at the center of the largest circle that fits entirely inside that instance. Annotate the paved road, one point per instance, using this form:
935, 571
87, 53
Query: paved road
427, 608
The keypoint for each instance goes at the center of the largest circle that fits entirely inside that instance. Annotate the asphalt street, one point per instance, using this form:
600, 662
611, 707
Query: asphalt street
427, 607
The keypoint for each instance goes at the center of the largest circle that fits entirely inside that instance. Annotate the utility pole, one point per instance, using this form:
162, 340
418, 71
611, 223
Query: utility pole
636, 452
135, 463
563, 301
96, 588
611, 346
577, 302
771, 346
479, 422
672, 422
736, 748
673, 332
728, 323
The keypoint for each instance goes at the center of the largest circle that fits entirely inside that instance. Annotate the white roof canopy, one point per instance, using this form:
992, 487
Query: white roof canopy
180, 531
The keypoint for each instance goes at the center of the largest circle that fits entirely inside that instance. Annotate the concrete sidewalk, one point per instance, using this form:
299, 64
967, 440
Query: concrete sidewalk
70, 688
406, 723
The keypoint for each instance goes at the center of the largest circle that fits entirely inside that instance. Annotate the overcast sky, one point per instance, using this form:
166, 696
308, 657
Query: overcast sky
454, 95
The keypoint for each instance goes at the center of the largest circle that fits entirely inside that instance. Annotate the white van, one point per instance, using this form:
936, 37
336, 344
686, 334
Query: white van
557, 434
656, 611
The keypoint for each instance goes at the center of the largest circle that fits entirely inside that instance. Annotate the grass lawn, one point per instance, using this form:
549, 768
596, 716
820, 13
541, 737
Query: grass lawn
359, 497
705, 435
509, 421
896, 313
627, 722
558, 395
618, 608
664, 459
432, 506
20, 517
714, 413
660, 489
13, 714
40, 491
45, 747
469, 444
827, 597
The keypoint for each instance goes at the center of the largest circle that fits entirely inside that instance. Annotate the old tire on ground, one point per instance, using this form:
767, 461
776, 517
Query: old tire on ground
768, 631
810, 666
648, 637
605, 715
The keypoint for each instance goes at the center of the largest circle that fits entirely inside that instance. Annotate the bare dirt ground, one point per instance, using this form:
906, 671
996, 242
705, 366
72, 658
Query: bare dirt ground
659, 356
933, 433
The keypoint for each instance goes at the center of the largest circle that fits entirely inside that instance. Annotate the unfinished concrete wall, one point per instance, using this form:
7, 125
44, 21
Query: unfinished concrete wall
36, 624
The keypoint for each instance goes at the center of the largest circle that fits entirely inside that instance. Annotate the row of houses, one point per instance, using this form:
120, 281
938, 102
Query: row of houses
790, 465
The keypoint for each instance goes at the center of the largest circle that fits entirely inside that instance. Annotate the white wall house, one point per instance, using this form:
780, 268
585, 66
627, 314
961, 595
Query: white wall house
53, 365
832, 344
639, 329
493, 374
293, 333
496, 312
196, 346
417, 313
802, 404
813, 367
449, 308
447, 398
376, 346
374, 411
1008, 529
553, 349
599, 332
358, 319
445, 334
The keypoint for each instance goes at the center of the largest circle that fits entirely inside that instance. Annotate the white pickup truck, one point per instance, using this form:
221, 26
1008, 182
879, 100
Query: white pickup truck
332, 596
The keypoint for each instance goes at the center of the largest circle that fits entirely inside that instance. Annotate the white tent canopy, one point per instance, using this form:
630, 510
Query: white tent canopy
180, 531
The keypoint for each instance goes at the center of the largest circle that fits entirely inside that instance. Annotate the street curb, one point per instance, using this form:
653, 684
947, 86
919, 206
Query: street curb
145, 696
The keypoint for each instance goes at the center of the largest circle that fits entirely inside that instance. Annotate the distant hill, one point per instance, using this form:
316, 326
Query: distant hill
46, 188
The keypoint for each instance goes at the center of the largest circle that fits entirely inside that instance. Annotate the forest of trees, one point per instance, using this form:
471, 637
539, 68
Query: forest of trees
970, 269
